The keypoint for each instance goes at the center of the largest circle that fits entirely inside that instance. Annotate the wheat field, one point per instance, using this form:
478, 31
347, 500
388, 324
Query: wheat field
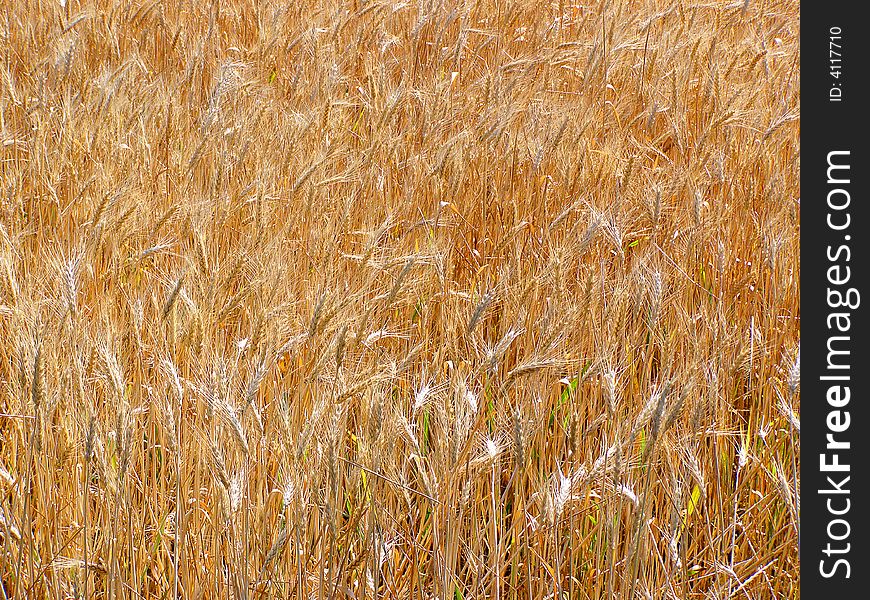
420, 300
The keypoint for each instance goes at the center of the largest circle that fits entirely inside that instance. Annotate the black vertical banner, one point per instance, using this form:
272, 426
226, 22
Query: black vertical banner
834, 272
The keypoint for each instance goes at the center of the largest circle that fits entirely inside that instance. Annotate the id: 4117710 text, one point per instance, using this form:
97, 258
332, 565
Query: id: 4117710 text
835, 62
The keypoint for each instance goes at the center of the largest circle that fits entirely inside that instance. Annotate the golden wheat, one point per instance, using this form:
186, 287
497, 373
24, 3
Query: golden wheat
438, 299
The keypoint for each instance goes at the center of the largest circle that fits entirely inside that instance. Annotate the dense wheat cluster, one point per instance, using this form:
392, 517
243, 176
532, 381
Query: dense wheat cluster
436, 299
